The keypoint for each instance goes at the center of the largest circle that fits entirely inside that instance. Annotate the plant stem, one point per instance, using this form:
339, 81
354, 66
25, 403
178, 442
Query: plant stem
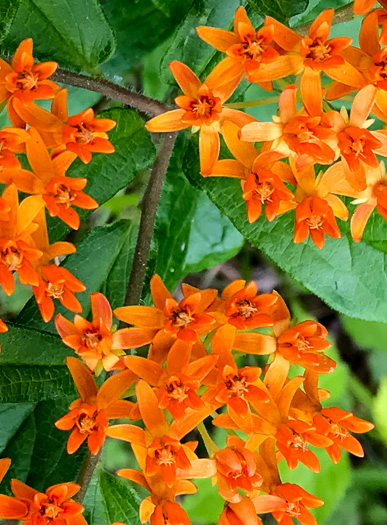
88, 466
148, 215
342, 14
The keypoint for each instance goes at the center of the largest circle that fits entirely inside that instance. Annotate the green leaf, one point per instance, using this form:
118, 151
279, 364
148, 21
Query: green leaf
109, 499
149, 27
107, 174
379, 409
8, 10
91, 264
76, 34
206, 505
186, 46
281, 10
342, 274
32, 383
12, 417
191, 233
175, 9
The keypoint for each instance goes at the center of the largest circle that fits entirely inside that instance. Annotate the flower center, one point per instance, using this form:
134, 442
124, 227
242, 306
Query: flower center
87, 424
205, 107
181, 317
12, 258
318, 51
302, 344
338, 431
165, 456
83, 135
26, 81
177, 390
64, 195
236, 386
246, 309
253, 49
50, 510
265, 190
91, 339
299, 443
292, 509
55, 290
315, 222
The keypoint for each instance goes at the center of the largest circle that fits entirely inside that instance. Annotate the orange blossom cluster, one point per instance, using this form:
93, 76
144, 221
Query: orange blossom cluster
307, 131
191, 375
51, 142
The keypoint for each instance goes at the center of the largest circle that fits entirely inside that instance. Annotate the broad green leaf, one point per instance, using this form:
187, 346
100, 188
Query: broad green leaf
139, 27
175, 9
107, 174
109, 499
379, 409
330, 484
12, 417
91, 264
33, 383
75, 34
282, 10
186, 46
191, 233
118, 278
8, 10
342, 274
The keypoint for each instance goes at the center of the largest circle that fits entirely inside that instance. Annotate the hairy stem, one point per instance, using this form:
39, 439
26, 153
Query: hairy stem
88, 466
342, 14
148, 215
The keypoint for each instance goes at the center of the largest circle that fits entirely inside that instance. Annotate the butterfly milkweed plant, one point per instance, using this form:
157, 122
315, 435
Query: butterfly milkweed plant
193, 262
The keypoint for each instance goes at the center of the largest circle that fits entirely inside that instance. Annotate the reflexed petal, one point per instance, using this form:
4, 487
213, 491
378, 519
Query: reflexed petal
83, 379
101, 308
359, 220
209, 147
217, 38
169, 121
242, 151
186, 78
261, 131
311, 91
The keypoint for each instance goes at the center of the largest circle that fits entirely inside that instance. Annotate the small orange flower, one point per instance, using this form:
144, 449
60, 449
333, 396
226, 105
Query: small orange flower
297, 500
17, 252
245, 309
236, 469
24, 80
241, 513
88, 416
336, 424
54, 507
178, 383
304, 343
12, 140
245, 45
201, 106
94, 341
169, 319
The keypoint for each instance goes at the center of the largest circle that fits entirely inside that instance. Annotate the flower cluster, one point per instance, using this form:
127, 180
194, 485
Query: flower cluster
191, 373
307, 131
51, 142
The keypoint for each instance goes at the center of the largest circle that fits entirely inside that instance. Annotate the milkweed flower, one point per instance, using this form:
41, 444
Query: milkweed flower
246, 46
177, 384
168, 320
48, 180
202, 107
17, 252
294, 133
82, 134
24, 80
95, 342
88, 416
298, 501
53, 507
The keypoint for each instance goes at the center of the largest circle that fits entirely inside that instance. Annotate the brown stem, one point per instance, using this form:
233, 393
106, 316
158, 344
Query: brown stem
148, 215
88, 466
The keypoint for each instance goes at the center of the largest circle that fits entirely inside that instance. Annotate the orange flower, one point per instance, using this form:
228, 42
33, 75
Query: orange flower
236, 469
374, 196
304, 343
17, 252
170, 513
201, 106
158, 449
261, 175
5, 463
297, 500
293, 439
169, 319
240, 513
314, 216
361, 7
336, 424
244, 45
244, 308
95, 342
81, 134
178, 383
59, 193
294, 133
25, 81
309, 56
88, 416
54, 507
12, 141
